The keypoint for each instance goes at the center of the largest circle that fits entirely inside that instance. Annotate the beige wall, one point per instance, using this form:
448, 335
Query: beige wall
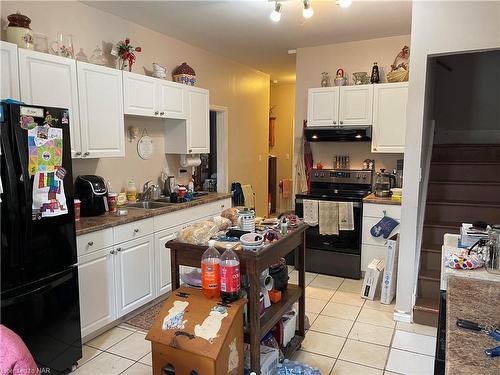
243, 90
283, 101
352, 57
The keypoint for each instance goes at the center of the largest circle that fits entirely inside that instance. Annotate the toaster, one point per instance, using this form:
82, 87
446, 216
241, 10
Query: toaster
93, 195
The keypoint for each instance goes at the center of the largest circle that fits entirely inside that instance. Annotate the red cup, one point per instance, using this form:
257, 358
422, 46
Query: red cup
77, 204
112, 202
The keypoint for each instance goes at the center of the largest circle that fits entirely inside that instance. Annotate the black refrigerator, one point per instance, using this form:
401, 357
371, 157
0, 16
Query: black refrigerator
39, 275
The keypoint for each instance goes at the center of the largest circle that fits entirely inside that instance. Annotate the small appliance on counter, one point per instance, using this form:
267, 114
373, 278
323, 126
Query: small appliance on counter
384, 183
93, 194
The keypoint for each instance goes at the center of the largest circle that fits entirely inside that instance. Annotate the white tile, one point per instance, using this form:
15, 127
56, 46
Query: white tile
332, 326
88, 353
319, 293
138, 369
413, 342
364, 353
417, 328
409, 363
127, 326
341, 310
134, 347
310, 277
315, 305
371, 333
376, 305
326, 281
378, 318
312, 317
147, 359
293, 277
105, 363
109, 338
324, 364
353, 286
390, 373
348, 298
321, 343
348, 368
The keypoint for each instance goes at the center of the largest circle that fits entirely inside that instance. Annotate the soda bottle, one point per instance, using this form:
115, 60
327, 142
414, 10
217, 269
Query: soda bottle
210, 271
229, 275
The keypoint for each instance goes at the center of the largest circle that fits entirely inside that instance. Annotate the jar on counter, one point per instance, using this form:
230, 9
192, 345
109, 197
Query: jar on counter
19, 32
77, 204
112, 202
131, 191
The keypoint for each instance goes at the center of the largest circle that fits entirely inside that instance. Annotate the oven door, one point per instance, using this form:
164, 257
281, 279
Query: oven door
348, 242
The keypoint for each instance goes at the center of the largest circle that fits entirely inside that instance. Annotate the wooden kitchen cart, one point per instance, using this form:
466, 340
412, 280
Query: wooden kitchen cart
252, 264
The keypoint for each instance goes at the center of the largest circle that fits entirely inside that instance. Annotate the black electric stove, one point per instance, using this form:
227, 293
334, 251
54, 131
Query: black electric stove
337, 255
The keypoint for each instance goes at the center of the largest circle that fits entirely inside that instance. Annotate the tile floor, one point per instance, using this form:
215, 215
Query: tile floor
348, 336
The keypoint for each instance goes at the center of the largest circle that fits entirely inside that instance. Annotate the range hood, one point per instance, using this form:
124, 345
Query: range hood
338, 133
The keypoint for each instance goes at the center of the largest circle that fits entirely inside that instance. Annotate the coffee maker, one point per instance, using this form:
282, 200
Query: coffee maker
384, 183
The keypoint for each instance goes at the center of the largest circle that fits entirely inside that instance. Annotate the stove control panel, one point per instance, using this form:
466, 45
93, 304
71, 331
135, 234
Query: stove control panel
344, 176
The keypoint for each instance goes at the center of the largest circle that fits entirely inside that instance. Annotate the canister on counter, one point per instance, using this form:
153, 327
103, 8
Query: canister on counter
77, 204
112, 202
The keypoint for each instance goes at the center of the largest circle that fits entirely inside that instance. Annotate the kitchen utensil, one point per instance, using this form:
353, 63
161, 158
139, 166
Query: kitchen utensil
384, 183
63, 45
19, 32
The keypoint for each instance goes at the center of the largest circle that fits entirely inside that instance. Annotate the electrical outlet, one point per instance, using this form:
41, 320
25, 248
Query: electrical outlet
260, 157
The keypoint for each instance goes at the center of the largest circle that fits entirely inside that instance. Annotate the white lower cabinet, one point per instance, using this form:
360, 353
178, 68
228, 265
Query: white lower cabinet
134, 274
163, 277
375, 247
97, 289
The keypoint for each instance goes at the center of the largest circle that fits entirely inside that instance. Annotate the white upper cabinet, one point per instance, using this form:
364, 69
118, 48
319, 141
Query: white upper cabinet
389, 117
100, 93
322, 106
49, 80
171, 100
9, 71
140, 95
198, 121
356, 104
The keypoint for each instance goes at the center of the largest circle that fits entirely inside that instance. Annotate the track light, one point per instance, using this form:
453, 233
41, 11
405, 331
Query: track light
308, 11
276, 13
344, 3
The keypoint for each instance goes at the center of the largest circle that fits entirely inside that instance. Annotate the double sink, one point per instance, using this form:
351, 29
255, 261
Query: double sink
162, 202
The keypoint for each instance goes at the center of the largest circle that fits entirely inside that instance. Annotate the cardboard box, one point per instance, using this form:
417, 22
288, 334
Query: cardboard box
388, 285
186, 340
372, 279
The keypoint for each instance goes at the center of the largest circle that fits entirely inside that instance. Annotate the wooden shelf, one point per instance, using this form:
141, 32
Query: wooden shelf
277, 310
292, 346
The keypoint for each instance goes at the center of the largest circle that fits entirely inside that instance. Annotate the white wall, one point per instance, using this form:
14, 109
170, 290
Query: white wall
437, 28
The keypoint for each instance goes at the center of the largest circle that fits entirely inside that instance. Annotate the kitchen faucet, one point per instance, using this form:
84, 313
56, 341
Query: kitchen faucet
146, 191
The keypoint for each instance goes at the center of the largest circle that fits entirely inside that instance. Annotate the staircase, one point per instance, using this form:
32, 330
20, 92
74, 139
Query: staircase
464, 185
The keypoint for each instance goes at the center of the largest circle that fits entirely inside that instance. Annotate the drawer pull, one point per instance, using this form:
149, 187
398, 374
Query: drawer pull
91, 243
112, 252
136, 230
118, 249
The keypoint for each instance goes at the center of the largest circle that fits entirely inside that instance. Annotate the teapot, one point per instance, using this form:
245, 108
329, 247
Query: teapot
384, 183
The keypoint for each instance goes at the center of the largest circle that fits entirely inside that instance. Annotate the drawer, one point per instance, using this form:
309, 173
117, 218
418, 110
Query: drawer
191, 214
133, 230
377, 210
369, 252
91, 242
368, 239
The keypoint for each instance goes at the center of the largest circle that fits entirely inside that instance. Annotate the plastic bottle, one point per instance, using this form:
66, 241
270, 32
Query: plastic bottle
229, 275
284, 226
210, 271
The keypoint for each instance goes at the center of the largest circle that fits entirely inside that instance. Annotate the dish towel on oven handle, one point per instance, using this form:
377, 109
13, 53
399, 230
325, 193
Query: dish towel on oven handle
328, 218
310, 212
346, 216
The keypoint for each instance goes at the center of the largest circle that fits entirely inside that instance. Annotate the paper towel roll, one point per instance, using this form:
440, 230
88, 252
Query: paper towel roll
190, 161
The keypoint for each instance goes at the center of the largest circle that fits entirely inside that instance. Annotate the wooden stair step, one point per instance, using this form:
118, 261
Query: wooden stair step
464, 162
463, 203
463, 211
430, 275
426, 311
432, 248
472, 191
427, 304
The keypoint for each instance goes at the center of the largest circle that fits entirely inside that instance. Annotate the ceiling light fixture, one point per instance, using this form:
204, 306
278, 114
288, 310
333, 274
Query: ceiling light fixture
344, 3
308, 11
276, 13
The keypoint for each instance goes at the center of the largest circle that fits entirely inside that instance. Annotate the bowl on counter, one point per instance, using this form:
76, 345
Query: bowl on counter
251, 241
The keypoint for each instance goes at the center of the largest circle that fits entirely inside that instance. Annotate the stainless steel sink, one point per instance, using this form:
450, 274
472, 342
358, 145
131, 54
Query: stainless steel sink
149, 205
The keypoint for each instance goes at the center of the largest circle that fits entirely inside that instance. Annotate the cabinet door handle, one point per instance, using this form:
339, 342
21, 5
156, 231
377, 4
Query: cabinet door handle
341, 122
335, 123
136, 230
86, 153
162, 113
112, 252
190, 151
156, 113
118, 249
91, 243
78, 153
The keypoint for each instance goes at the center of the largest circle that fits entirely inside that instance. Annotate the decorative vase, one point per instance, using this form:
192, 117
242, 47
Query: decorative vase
19, 32
325, 81
184, 74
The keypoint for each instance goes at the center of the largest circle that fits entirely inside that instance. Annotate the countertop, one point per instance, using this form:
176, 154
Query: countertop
478, 301
95, 223
376, 200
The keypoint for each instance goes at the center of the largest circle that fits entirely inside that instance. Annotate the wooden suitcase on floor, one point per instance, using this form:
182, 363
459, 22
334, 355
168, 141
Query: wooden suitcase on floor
194, 335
